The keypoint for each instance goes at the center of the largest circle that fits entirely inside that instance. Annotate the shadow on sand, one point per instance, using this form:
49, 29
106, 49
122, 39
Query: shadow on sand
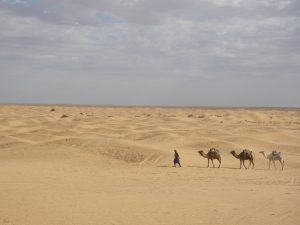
204, 167
231, 168
201, 167
237, 168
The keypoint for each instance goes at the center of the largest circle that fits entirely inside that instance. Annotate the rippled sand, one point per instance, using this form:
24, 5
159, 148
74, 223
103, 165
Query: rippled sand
114, 166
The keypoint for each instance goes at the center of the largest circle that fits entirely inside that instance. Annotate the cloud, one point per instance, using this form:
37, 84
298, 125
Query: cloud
142, 42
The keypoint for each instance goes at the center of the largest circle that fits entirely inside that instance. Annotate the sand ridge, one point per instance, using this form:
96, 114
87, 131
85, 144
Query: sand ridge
110, 165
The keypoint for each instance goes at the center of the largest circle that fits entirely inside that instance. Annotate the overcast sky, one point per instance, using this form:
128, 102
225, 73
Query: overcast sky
151, 52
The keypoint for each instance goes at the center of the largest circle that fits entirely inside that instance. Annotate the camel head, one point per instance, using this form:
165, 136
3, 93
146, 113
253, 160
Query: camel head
234, 154
200, 152
263, 153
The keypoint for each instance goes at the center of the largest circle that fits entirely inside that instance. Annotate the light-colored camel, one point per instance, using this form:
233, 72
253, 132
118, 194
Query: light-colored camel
244, 155
211, 155
274, 156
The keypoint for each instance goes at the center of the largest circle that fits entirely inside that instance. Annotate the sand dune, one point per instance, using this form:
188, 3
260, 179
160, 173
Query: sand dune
114, 166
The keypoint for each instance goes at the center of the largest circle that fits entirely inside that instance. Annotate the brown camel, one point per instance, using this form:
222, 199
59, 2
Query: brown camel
211, 155
244, 155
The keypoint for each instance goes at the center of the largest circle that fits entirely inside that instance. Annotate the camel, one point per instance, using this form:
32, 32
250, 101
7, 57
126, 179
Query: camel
244, 155
211, 155
274, 156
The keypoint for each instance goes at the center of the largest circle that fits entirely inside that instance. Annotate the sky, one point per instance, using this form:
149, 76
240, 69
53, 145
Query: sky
233, 53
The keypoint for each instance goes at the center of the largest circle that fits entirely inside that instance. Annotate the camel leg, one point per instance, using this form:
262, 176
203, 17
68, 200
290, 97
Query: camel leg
249, 164
274, 164
207, 163
219, 162
282, 164
213, 163
240, 164
244, 164
269, 163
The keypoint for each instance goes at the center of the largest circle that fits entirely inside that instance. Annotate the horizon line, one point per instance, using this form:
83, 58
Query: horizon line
149, 106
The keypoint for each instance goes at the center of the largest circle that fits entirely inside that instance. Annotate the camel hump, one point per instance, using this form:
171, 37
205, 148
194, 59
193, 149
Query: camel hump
213, 150
276, 153
247, 152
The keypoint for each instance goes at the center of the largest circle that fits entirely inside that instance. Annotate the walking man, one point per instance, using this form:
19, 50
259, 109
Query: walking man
176, 158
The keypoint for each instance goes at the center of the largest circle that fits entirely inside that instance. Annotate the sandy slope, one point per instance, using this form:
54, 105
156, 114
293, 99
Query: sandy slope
114, 166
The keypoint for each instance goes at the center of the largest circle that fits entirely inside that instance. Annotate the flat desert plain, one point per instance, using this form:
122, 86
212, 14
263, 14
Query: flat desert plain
108, 165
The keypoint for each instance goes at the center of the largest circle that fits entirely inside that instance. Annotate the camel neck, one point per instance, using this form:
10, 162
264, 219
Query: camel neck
203, 154
235, 155
264, 154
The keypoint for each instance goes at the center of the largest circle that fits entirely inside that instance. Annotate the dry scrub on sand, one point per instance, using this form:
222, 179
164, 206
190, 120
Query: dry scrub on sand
115, 166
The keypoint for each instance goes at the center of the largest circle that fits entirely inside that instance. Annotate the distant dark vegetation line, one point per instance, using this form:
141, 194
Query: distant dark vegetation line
153, 106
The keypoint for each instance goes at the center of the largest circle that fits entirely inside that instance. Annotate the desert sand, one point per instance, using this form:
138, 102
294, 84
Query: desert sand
109, 165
